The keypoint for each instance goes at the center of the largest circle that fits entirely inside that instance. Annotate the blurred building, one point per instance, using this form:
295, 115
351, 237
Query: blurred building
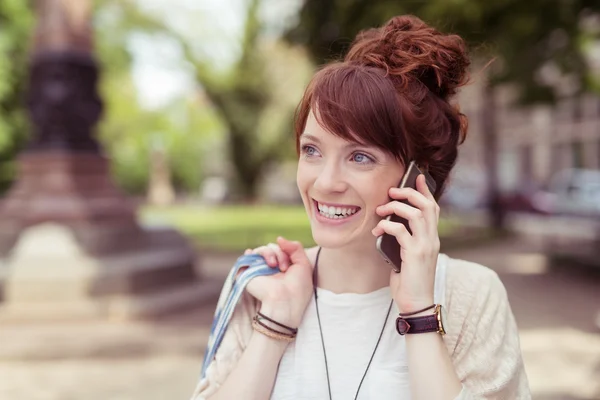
534, 142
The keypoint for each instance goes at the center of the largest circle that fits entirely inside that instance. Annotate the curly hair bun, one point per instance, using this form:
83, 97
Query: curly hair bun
409, 50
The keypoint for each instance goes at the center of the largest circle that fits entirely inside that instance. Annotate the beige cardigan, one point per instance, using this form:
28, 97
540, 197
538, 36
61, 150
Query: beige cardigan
482, 336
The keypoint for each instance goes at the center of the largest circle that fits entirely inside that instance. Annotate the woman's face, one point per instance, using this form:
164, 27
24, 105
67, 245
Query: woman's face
341, 184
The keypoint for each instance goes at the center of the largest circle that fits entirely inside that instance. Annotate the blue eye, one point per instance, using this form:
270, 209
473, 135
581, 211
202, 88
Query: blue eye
309, 150
361, 158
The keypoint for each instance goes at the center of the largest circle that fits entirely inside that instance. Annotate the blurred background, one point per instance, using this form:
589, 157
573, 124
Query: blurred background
144, 144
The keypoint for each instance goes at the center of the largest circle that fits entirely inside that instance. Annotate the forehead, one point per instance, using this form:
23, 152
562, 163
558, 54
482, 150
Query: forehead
315, 131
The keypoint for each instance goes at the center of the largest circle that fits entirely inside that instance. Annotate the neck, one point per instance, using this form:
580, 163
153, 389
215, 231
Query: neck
353, 269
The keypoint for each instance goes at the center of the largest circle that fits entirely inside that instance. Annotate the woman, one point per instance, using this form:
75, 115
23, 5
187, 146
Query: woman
327, 326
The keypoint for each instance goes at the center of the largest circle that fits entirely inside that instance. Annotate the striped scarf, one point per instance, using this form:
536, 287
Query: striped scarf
232, 291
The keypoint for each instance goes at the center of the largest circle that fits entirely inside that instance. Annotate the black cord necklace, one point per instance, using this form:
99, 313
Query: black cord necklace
323, 341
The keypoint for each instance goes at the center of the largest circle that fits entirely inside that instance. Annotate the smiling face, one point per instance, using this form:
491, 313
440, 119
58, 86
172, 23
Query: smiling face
342, 183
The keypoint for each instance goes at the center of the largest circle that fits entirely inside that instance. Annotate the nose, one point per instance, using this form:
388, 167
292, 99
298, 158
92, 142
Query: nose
330, 179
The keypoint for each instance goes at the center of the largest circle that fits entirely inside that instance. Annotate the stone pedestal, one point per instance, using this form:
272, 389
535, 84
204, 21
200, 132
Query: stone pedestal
49, 276
72, 248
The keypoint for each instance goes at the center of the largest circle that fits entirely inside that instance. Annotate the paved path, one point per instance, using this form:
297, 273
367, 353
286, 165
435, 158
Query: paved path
555, 309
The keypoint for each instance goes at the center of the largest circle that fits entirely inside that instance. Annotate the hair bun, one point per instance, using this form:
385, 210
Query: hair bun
409, 49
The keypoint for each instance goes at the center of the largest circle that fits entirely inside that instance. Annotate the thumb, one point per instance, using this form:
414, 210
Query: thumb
294, 250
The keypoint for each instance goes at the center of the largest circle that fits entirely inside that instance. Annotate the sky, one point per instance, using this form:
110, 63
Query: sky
216, 26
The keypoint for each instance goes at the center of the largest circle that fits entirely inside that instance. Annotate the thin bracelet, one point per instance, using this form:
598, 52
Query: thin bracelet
267, 327
271, 334
416, 312
293, 330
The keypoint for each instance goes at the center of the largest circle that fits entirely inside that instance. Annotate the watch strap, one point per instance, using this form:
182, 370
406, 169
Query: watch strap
428, 323
425, 324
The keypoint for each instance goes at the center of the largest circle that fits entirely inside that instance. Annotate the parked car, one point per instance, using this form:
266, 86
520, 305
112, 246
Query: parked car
530, 198
570, 192
574, 192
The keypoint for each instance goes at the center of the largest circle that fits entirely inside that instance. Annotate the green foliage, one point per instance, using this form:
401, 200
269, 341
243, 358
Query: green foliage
524, 35
16, 22
130, 133
252, 109
236, 228
257, 113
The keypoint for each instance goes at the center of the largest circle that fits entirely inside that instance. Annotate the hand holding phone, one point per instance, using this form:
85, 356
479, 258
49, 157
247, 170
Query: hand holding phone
387, 244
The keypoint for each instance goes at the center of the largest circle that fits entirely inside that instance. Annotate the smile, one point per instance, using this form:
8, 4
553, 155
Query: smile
336, 211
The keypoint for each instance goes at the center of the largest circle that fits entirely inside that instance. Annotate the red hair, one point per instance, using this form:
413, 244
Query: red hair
393, 91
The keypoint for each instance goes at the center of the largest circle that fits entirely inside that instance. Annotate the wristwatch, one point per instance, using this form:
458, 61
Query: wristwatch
428, 323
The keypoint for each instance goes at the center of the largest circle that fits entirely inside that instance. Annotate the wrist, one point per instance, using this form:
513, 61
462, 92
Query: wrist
412, 305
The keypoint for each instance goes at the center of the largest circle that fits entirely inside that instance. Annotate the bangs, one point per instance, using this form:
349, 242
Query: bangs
358, 104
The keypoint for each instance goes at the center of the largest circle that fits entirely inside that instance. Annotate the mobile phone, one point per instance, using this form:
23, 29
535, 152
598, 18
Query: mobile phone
387, 244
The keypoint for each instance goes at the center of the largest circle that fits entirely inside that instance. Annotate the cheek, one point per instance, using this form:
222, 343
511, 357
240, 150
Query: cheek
302, 178
376, 191
304, 181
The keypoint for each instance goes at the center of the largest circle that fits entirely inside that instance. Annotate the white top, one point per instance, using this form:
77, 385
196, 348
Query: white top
482, 341
351, 326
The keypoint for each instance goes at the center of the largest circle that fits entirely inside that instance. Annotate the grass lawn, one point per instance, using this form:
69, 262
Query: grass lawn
235, 228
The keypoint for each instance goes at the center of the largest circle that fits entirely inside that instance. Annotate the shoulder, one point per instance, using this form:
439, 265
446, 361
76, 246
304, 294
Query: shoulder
475, 299
482, 335
466, 280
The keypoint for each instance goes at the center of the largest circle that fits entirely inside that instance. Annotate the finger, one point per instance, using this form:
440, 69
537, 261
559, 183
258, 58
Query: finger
268, 254
283, 259
427, 205
414, 197
414, 216
395, 229
247, 251
423, 188
294, 250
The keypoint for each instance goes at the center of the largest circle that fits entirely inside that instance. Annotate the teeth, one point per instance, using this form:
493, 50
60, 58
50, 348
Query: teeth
335, 212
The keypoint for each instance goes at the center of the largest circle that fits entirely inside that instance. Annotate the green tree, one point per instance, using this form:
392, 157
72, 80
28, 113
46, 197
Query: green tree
129, 133
524, 36
16, 22
252, 97
256, 112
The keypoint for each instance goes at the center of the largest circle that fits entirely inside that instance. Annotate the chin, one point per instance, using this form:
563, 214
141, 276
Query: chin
338, 240
330, 241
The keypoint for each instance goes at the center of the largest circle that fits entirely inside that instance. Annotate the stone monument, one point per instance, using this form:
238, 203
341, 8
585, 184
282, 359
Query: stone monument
70, 243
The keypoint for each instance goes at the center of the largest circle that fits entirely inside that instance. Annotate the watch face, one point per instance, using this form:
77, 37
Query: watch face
402, 326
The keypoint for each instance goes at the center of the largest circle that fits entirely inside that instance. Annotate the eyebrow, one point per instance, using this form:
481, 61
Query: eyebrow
349, 145
308, 136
